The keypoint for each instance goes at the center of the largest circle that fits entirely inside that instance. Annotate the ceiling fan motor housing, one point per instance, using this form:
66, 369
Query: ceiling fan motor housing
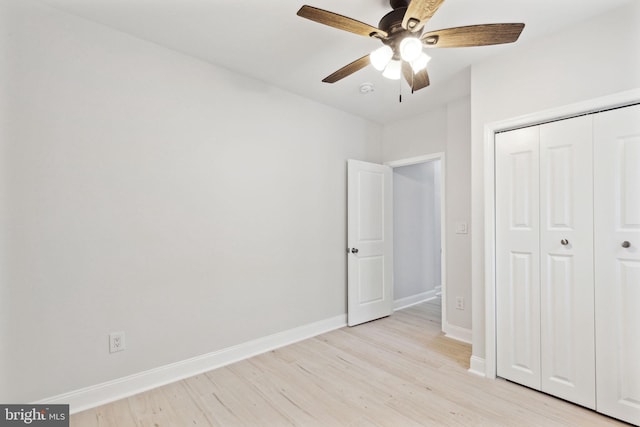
392, 24
392, 21
395, 4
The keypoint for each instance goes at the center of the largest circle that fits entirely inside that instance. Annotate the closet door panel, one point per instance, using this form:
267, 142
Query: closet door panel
617, 266
566, 273
517, 253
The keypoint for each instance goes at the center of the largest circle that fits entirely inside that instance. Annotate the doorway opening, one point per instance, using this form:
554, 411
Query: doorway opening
418, 231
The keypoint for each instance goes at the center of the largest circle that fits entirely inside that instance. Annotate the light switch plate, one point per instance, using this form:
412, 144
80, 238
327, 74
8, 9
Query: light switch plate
461, 228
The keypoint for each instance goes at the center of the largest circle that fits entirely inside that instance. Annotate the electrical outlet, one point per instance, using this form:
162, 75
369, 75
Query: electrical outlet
459, 303
116, 342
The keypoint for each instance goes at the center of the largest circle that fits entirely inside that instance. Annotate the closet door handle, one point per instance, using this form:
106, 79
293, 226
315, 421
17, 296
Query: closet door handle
354, 251
626, 244
564, 242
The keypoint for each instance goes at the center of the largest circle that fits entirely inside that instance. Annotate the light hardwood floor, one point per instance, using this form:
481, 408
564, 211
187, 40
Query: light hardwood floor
398, 371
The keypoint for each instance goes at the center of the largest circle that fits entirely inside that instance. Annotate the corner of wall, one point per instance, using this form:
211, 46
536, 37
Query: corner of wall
477, 366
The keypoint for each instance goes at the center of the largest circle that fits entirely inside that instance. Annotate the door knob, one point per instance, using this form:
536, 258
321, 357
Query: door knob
564, 242
626, 244
354, 250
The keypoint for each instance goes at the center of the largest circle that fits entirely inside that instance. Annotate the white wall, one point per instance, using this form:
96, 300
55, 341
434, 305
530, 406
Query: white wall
147, 192
591, 59
445, 129
416, 136
416, 230
458, 210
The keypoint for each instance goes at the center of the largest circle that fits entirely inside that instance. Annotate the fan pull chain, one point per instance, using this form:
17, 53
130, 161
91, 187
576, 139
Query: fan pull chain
412, 85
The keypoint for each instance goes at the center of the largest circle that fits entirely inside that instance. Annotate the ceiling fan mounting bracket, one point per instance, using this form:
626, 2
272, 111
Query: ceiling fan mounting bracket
431, 40
413, 24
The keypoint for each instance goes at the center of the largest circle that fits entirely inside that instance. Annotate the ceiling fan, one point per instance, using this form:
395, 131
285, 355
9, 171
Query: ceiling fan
401, 32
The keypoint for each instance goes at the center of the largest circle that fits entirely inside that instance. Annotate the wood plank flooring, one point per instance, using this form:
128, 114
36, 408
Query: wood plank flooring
398, 371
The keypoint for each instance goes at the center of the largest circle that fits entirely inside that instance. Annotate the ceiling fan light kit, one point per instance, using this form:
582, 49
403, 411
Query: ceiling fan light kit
393, 70
380, 57
420, 63
410, 48
401, 32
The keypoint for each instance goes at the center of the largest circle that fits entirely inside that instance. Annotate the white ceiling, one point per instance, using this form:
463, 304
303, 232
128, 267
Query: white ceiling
267, 41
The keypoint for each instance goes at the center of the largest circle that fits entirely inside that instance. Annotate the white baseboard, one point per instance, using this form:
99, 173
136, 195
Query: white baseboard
100, 394
477, 366
457, 333
401, 303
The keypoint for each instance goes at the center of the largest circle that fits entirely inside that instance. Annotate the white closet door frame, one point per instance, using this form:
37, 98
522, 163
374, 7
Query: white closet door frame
613, 101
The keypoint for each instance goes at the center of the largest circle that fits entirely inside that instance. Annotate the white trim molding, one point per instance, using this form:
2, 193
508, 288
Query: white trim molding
415, 160
617, 100
100, 394
477, 366
407, 302
457, 333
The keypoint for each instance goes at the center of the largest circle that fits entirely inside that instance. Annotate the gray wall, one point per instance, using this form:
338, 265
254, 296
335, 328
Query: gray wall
416, 229
148, 192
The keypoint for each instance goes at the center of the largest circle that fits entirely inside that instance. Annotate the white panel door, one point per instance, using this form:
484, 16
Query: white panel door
566, 258
517, 256
617, 266
370, 227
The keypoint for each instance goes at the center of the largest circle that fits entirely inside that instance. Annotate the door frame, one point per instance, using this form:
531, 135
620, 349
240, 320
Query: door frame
621, 99
443, 252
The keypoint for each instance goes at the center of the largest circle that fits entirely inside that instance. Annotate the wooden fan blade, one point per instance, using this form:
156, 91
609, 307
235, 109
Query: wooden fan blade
347, 70
416, 81
473, 35
340, 22
418, 13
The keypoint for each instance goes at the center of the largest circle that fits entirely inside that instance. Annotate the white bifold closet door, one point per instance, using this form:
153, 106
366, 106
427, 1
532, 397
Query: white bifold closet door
617, 268
566, 261
544, 259
517, 256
